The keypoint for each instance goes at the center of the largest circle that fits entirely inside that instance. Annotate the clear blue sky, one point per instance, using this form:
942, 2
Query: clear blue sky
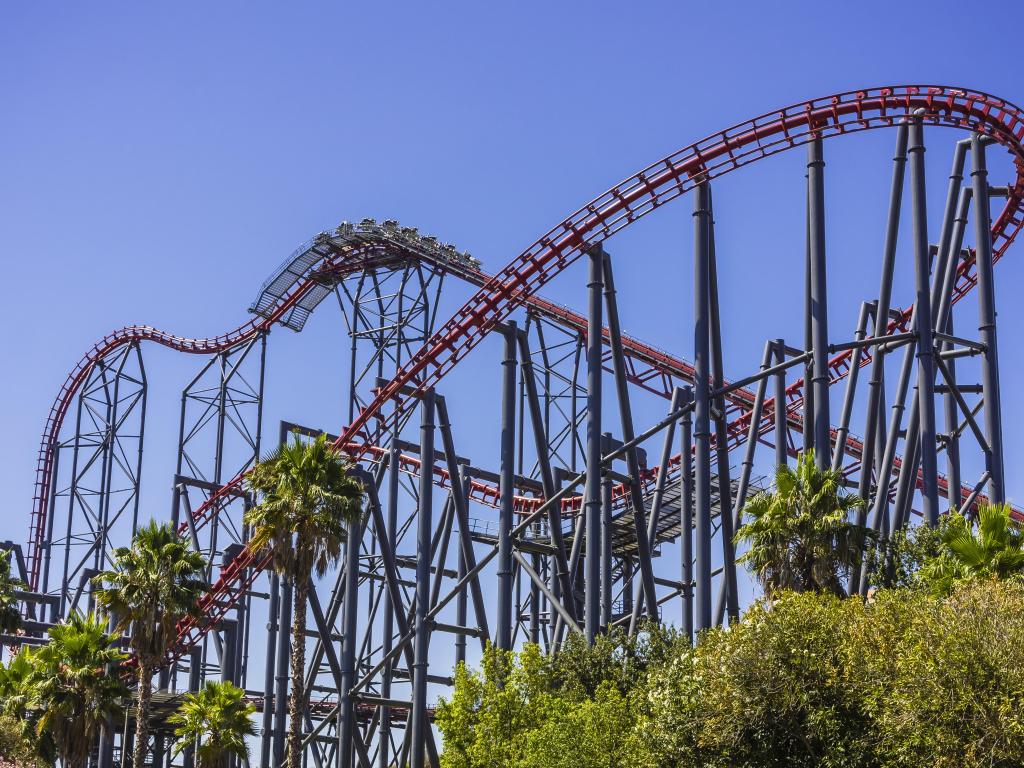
157, 162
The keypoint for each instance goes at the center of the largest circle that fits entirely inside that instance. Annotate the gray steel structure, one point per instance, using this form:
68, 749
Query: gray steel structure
572, 531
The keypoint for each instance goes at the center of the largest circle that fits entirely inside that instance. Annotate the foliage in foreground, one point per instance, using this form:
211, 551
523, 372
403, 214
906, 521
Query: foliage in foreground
214, 722
807, 680
56, 698
994, 551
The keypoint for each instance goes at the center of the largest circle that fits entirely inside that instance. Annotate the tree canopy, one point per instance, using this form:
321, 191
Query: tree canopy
798, 535
808, 679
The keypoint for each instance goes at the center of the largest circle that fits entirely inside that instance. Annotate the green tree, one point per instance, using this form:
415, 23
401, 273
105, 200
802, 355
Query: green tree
308, 499
21, 735
492, 711
215, 721
896, 561
590, 733
571, 710
804, 680
992, 550
155, 584
799, 536
16, 748
942, 680
73, 687
10, 616
615, 658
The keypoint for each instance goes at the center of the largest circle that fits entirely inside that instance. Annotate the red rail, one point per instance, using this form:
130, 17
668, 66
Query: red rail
515, 284
644, 192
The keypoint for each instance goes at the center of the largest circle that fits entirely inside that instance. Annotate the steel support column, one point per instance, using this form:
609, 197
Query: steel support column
607, 543
284, 622
728, 597
818, 301
421, 629
506, 489
923, 326
987, 320
686, 511
781, 417
592, 490
646, 589
350, 607
702, 400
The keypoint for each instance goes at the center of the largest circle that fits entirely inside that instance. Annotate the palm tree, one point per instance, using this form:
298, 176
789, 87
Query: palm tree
73, 687
994, 551
308, 499
216, 721
17, 678
799, 535
154, 584
10, 616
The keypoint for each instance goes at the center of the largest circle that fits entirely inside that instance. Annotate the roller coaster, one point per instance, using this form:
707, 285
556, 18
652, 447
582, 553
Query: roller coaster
571, 533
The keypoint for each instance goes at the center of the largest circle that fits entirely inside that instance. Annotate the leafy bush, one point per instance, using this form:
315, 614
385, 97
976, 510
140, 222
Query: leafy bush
809, 679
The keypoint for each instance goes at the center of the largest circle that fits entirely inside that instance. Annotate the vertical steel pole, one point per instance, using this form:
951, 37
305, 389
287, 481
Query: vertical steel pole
421, 637
686, 512
266, 731
606, 541
939, 303
953, 493
284, 621
987, 320
195, 674
51, 518
144, 383
944, 313
702, 411
461, 606
874, 421
592, 492
636, 496
781, 418
346, 714
808, 387
388, 620
506, 489
728, 596
851, 388
819, 297
925, 345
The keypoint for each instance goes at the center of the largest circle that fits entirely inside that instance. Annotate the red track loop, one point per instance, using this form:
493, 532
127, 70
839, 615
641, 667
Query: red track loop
639, 195
676, 174
516, 283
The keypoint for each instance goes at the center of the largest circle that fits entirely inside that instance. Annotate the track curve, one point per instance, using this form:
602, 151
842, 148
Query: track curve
638, 195
661, 182
357, 258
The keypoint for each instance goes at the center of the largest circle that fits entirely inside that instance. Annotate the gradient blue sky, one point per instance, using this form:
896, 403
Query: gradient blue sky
157, 161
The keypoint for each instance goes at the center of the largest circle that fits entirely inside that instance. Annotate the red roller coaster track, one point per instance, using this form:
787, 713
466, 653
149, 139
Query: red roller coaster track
516, 283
